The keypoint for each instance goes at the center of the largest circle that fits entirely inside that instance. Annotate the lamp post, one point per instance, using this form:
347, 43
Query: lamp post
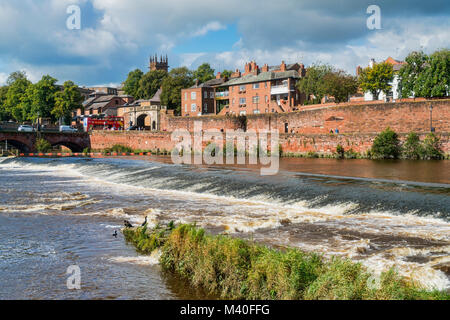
431, 118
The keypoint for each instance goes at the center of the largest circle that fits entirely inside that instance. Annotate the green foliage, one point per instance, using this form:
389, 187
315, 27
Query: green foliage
42, 97
386, 145
312, 83
177, 79
17, 102
43, 145
131, 85
118, 148
150, 83
66, 101
426, 75
4, 113
377, 78
238, 269
204, 73
339, 85
412, 148
321, 80
226, 73
340, 151
432, 148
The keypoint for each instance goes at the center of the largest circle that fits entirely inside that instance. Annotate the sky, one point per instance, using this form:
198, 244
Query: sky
117, 36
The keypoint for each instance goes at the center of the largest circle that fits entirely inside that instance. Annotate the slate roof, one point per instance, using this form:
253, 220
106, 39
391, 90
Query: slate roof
262, 77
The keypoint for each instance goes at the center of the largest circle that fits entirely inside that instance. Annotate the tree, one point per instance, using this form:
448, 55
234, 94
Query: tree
377, 79
16, 96
204, 73
16, 75
312, 83
226, 74
4, 113
177, 79
131, 85
339, 85
66, 101
150, 83
43, 98
386, 145
434, 80
409, 73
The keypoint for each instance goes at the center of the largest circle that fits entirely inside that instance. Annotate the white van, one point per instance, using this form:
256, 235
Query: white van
67, 129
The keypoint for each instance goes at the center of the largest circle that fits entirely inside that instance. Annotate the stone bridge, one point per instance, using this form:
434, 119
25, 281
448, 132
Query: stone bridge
26, 141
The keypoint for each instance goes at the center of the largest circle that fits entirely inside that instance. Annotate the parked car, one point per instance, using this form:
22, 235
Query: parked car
67, 129
132, 128
25, 128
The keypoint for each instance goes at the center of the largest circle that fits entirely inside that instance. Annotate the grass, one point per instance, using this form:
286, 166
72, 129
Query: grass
242, 270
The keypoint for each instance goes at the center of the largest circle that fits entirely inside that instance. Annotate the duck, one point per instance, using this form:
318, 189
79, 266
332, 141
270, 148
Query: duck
115, 234
127, 224
145, 222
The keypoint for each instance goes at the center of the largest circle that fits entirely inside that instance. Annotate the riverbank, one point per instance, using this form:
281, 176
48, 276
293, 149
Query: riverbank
238, 269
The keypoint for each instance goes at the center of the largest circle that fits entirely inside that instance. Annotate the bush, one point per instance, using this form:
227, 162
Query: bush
340, 152
43, 145
238, 269
386, 145
412, 148
118, 149
431, 148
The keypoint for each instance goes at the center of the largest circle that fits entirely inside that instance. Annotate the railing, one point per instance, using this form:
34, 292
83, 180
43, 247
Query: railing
223, 94
279, 89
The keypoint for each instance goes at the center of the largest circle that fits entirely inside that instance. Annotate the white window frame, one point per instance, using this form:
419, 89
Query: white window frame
194, 95
193, 107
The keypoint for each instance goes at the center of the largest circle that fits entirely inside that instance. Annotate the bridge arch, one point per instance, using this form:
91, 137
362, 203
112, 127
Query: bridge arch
17, 144
74, 147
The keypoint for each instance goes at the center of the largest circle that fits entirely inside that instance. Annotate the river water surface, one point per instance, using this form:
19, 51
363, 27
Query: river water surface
55, 213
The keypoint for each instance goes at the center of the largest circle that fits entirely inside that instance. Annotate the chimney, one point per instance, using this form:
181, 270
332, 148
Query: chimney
254, 68
196, 82
236, 74
219, 75
265, 68
283, 66
302, 70
247, 69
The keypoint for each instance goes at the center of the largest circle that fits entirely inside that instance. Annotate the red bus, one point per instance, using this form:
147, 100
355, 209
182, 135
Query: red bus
103, 123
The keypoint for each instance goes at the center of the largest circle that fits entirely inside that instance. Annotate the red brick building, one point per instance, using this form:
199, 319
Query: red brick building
257, 90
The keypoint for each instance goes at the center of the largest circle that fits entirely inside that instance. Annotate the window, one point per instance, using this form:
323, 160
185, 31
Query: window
242, 101
211, 94
265, 84
256, 86
267, 99
256, 112
255, 99
243, 113
185, 107
242, 88
206, 95
205, 108
233, 101
193, 95
193, 107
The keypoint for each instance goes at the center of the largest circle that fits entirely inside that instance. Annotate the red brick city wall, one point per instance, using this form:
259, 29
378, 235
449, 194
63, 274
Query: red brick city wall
372, 118
290, 143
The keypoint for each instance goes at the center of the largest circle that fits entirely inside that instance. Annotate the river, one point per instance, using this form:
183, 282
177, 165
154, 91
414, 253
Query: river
55, 213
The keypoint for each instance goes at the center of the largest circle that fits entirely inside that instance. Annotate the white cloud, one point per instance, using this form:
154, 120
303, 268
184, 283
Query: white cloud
211, 26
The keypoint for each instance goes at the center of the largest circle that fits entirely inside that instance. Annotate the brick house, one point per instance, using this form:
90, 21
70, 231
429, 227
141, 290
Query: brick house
200, 99
258, 90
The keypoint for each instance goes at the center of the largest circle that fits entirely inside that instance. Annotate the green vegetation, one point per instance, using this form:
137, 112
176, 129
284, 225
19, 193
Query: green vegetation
118, 148
386, 145
321, 80
377, 78
204, 73
21, 100
426, 75
43, 145
238, 269
177, 79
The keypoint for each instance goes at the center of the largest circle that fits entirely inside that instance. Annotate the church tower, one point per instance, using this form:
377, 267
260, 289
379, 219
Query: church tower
161, 64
